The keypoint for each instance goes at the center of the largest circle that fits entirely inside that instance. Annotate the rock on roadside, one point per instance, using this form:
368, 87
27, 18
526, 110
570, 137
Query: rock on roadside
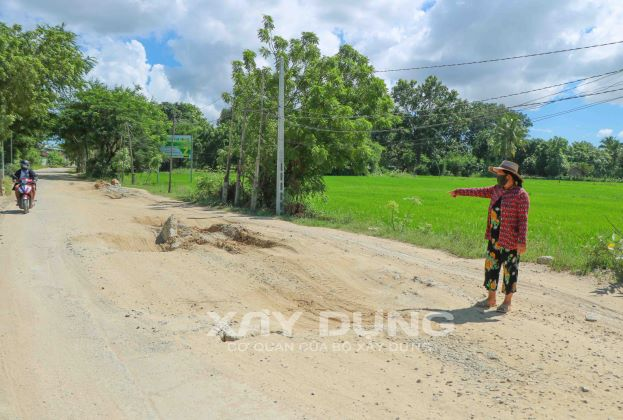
545, 260
226, 335
591, 317
169, 236
169, 231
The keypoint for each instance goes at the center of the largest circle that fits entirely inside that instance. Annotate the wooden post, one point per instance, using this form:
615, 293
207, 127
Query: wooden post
171, 153
192, 155
127, 129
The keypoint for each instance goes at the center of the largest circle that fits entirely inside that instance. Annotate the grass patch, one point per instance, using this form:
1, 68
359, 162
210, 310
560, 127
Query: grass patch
181, 187
7, 184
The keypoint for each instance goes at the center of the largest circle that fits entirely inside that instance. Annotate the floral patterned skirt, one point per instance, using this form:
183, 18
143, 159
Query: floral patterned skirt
500, 257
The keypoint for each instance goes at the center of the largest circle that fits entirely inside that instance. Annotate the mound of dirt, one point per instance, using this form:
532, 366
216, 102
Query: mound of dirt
113, 190
240, 234
100, 184
229, 237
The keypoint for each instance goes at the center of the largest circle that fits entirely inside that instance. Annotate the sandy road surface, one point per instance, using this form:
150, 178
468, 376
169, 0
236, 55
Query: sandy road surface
96, 321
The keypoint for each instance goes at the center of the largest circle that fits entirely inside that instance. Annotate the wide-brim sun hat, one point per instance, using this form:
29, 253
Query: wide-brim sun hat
508, 166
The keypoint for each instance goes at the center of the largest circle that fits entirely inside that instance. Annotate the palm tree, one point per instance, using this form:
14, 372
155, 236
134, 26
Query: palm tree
613, 147
509, 134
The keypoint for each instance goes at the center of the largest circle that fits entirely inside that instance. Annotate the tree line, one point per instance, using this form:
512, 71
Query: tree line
340, 119
38, 70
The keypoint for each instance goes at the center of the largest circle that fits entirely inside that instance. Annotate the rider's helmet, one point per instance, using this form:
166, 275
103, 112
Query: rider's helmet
24, 164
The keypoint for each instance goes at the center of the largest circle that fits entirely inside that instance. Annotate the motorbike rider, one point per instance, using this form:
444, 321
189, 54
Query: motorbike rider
25, 172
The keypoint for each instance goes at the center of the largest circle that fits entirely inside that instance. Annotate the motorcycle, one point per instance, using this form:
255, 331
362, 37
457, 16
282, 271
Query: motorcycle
25, 189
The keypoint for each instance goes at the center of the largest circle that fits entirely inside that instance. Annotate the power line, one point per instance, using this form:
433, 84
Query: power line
610, 73
580, 108
312, 115
529, 105
518, 107
471, 118
493, 60
468, 118
532, 104
600, 89
606, 75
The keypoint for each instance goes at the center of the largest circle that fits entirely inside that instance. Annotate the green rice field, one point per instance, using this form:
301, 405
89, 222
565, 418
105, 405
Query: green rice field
565, 216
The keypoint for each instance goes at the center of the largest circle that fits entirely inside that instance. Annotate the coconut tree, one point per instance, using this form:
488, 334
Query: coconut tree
509, 134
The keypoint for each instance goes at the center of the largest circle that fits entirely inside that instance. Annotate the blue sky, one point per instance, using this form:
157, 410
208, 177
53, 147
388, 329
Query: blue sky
581, 125
182, 50
158, 49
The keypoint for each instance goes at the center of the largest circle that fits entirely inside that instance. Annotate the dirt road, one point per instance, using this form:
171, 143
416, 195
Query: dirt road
97, 321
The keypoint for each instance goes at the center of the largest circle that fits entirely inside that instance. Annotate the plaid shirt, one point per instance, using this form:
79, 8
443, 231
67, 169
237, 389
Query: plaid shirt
515, 206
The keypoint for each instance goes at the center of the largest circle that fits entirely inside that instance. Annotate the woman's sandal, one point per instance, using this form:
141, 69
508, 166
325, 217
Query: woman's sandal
483, 304
504, 308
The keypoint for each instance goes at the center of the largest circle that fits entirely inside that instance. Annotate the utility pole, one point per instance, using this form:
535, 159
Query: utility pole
122, 168
280, 147
171, 152
192, 147
256, 176
12, 148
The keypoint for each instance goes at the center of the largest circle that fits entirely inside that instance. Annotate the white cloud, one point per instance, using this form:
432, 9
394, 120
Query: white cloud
208, 35
605, 132
620, 134
120, 63
125, 64
159, 85
111, 17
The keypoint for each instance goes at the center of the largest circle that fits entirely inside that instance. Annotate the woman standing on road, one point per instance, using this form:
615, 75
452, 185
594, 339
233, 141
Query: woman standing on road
507, 227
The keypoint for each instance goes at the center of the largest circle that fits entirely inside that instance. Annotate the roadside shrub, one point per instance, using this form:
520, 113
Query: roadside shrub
399, 220
7, 186
98, 169
208, 189
296, 209
607, 253
11, 168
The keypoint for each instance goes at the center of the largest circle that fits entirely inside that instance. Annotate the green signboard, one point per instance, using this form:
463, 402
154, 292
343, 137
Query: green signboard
178, 146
